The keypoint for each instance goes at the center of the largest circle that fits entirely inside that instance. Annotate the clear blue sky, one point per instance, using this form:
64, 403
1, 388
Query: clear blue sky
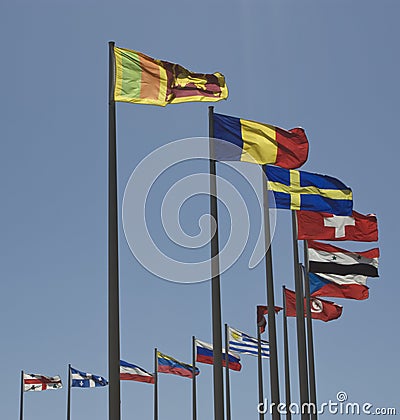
331, 67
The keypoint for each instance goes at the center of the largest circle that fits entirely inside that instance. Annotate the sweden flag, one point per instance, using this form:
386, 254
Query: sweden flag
299, 190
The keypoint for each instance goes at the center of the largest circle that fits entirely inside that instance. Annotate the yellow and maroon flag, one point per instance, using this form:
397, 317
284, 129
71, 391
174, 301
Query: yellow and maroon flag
145, 80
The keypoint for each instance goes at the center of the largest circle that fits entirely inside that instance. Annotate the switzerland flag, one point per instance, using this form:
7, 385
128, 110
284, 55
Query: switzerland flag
329, 227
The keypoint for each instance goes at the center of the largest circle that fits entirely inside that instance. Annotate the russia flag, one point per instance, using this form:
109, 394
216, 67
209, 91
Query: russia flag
205, 354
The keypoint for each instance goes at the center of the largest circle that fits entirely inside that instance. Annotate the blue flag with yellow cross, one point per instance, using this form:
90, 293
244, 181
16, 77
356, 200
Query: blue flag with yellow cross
300, 190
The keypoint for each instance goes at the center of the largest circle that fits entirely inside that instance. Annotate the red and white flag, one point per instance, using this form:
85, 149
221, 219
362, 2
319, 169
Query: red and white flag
329, 227
261, 311
323, 310
351, 286
40, 382
131, 372
329, 259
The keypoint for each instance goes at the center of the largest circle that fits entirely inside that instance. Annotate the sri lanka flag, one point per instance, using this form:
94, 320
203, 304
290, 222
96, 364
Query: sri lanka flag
254, 142
167, 364
131, 372
145, 80
205, 354
300, 190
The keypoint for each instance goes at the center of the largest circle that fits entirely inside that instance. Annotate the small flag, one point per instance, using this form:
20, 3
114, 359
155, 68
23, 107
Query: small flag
167, 364
259, 143
205, 354
145, 80
323, 310
352, 286
261, 311
240, 342
86, 380
300, 190
130, 372
34, 382
325, 258
330, 227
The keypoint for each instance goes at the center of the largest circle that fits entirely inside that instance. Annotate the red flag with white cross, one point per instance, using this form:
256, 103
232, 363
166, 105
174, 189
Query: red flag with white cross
329, 227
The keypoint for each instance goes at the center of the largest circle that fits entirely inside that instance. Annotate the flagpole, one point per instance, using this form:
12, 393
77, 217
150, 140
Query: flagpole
21, 398
260, 376
113, 286
310, 336
215, 282
155, 384
194, 393
286, 352
301, 337
274, 377
69, 394
227, 379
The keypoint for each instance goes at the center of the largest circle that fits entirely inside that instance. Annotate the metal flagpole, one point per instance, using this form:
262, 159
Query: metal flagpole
273, 349
155, 384
260, 376
301, 334
286, 351
69, 394
215, 283
21, 398
227, 379
194, 394
310, 337
113, 283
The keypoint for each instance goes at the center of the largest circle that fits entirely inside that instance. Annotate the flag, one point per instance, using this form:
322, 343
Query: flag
325, 258
34, 382
352, 286
167, 364
330, 227
86, 380
130, 372
323, 310
299, 190
145, 80
239, 342
205, 354
261, 311
259, 143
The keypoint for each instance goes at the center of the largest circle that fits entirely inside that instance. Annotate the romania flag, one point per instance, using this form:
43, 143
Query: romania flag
250, 141
145, 80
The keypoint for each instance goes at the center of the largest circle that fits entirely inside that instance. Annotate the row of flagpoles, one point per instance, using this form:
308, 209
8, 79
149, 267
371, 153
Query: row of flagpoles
237, 343
327, 270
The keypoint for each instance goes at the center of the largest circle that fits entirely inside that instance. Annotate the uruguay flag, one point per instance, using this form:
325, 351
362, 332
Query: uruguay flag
86, 380
243, 343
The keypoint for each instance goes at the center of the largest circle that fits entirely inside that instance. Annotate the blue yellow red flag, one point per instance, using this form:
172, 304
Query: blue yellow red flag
260, 143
